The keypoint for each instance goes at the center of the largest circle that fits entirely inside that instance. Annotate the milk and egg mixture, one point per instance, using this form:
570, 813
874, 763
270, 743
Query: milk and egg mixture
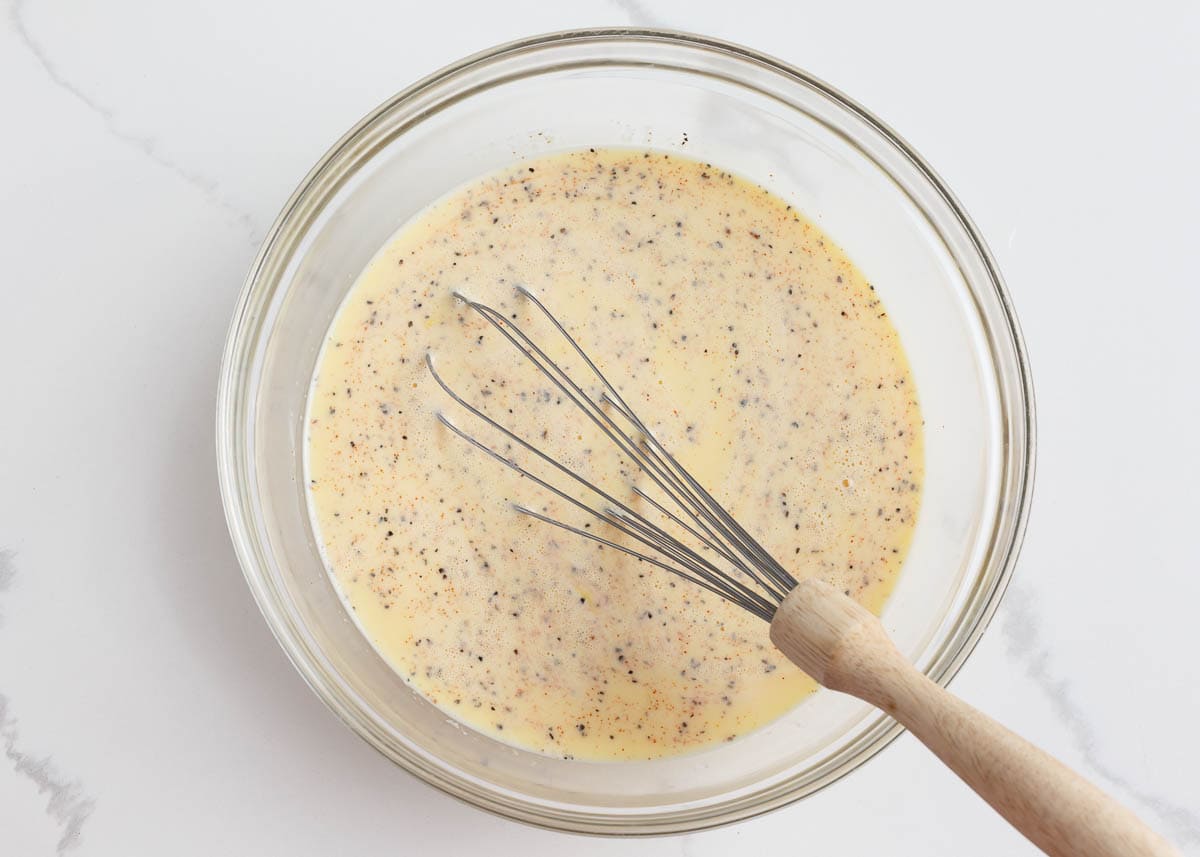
747, 341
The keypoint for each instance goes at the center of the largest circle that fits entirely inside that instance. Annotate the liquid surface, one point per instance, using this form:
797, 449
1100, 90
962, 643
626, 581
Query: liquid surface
742, 336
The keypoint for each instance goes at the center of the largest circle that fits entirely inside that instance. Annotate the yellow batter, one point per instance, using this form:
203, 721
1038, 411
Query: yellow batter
747, 340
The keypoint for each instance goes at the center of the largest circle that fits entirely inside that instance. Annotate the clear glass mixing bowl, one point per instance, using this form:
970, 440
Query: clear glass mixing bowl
750, 114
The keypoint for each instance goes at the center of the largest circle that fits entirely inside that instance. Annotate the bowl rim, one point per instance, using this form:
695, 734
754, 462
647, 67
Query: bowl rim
239, 508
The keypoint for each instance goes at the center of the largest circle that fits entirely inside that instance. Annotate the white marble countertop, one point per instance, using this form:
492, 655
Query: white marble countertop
145, 707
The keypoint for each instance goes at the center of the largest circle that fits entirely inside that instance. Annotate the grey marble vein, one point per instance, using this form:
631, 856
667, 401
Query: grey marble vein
1023, 631
67, 804
148, 146
638, 14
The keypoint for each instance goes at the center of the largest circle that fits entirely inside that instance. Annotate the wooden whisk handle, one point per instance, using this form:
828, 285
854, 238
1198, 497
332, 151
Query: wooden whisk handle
844, 647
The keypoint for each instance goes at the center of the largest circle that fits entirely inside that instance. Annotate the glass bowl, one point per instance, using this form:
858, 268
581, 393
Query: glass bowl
750, 114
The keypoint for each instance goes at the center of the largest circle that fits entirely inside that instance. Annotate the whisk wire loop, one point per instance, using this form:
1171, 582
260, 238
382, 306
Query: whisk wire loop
700, 516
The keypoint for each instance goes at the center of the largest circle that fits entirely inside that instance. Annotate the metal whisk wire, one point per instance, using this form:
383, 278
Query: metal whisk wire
697, 512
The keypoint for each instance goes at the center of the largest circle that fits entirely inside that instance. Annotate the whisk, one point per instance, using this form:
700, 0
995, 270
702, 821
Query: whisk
685, 531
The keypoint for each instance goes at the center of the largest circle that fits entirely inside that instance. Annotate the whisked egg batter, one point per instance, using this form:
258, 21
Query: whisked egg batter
743, 335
